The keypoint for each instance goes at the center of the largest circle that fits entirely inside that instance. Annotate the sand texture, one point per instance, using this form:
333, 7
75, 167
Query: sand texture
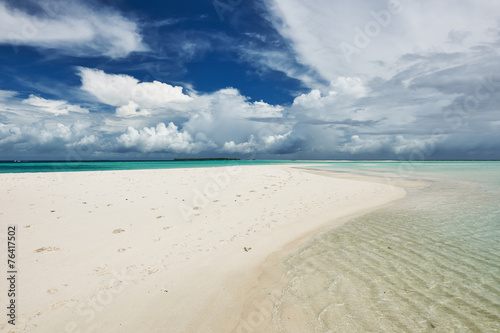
160, 250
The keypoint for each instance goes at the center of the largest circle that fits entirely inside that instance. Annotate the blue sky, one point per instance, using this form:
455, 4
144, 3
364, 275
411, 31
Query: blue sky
265, 79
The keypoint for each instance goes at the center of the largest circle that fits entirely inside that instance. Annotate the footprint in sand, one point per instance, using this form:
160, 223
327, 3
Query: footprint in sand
123, 249
52, 291
117, 231
47, 249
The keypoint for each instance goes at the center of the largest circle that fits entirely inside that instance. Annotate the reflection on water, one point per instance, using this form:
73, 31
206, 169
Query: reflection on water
430, 263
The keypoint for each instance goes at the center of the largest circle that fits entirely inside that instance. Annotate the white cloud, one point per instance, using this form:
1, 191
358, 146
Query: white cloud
264, 110
6, 94
351, 117
264, 144
111, 89
346, 39
340, 90
414, 148
311, 99
72, 27
159, 139
356, 145
128, 94
272, 141
398, 71
54, 107
130, 110
226, 116
158, 94
44, 137
87, 140
337, 102
352, 86
209, 122
241, 148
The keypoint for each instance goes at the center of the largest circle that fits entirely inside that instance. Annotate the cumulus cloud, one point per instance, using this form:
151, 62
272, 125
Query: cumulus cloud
219, 122
241, 148
392, 73
410, 115
404, 147
133, 98
352, 86
54, 107
46, 137
130, 110
226, 116
161, 138
265, 144
72, 27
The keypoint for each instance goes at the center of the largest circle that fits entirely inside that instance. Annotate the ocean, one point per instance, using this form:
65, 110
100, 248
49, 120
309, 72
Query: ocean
427, 263
62, 166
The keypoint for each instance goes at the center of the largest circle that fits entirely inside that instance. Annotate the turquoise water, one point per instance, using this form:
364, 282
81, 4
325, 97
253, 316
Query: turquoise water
7, 167
428, 263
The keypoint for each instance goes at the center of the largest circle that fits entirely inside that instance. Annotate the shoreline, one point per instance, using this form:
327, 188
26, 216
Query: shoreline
175, 248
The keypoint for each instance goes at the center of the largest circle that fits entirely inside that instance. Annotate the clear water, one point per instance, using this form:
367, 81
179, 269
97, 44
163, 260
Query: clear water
10, 167
429, 263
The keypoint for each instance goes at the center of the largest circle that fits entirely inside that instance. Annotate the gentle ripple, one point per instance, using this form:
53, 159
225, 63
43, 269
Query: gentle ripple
429, 263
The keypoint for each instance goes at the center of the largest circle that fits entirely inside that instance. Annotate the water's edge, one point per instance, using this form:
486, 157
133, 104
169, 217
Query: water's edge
426, 262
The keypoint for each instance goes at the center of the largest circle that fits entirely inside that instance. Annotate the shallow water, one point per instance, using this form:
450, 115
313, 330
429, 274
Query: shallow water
72, 166
429, 263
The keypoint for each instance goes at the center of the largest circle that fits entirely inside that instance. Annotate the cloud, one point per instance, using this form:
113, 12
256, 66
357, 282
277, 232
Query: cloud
45, 137
128, 94
271, 144
407, 69
71, 27
430, 106
130, 110
241, 148
54, 107
161, 138
342, 39
417, 148
350, 86
6, 94
226, 115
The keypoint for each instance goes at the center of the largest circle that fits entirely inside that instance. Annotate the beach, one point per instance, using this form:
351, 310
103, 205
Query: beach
175, 250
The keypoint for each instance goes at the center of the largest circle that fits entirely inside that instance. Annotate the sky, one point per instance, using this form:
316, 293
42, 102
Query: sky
264, 79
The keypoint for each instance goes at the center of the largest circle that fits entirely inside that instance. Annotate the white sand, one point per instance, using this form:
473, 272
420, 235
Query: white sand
159, 250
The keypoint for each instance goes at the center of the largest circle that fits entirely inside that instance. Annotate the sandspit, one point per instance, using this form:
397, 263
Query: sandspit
160, 250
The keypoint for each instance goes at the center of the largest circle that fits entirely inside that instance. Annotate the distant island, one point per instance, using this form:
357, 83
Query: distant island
207, 159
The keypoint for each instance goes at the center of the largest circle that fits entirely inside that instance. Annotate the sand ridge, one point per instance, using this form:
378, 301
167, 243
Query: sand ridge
152, 250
